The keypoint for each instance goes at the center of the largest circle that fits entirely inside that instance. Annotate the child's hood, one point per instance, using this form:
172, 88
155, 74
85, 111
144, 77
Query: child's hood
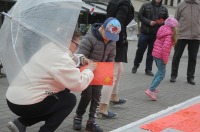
164, 31
95, 31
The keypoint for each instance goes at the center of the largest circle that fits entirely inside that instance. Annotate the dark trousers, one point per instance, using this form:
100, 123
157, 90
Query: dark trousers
53, 110
193, 48
91, 93
145, 40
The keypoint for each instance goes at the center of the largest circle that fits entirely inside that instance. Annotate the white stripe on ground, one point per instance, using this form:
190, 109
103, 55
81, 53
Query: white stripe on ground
135, 125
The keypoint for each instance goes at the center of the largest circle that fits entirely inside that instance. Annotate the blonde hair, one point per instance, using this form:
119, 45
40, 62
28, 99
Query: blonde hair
174, 36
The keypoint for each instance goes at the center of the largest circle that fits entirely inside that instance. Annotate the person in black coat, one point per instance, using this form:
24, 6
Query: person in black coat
124, 12
151, 15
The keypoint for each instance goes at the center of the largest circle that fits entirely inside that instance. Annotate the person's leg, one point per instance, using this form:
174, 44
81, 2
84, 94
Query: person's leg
96, 93
157, 79
106, 95
91, 124
159, 75
118, 73
59, 112
178, 51
53, 110
86, 97
193, 48
141, 48
149, 59
105, 99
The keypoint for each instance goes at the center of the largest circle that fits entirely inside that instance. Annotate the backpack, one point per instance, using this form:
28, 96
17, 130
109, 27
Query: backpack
112, 9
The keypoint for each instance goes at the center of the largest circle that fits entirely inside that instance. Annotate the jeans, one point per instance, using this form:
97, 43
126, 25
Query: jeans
53, 110
160, 74
90, 94
145, 40
193, 48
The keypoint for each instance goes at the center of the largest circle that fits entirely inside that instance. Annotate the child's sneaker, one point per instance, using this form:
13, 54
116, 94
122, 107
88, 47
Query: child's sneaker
77, 123
156, 91
16, 126
92, 126
151, 94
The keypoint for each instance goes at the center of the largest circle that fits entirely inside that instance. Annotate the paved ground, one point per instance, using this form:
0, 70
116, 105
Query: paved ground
132, 87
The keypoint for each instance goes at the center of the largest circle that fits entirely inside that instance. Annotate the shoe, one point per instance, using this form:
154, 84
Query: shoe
173, 79
156, 91
148, 72
92, 126
134, 69
110, 115
151, 94
191, 81
77, 123
120, 102
16, 126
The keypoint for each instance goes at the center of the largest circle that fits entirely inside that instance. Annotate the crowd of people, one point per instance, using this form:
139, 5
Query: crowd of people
105, 42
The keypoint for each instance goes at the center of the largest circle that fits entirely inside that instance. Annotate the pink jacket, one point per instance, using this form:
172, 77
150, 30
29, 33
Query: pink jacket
163, 43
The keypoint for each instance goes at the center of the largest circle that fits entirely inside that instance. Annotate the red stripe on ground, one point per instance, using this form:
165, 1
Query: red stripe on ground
186, 120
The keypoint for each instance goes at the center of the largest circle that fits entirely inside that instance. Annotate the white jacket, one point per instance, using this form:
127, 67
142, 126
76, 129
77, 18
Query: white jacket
50, 70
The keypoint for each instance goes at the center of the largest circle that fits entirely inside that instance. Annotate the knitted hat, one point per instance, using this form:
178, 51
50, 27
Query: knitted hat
171, 22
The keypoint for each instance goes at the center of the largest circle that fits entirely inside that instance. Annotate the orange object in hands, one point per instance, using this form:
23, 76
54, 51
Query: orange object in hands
103, 74
159, 21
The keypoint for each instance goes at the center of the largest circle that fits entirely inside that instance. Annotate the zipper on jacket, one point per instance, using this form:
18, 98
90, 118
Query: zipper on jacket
105, 46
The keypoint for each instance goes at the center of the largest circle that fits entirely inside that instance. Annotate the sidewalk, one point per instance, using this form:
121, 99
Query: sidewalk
132, 87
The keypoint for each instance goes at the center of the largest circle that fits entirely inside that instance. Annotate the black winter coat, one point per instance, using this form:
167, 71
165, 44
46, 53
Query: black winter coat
148, 13
121, 15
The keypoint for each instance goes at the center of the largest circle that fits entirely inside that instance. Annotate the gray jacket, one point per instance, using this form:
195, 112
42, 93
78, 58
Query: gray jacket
94, 48
188, 15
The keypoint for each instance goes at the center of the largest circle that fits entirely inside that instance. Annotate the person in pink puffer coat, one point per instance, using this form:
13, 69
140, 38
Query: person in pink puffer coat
165, 39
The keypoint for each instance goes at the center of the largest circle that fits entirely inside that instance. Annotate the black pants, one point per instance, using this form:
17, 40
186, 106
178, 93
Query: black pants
53, 110
91, 93
145, 40
193, 48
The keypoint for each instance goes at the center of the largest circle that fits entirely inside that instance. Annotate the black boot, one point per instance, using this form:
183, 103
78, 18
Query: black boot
134, 69
191, 81
173, 79
149, 73
77, 123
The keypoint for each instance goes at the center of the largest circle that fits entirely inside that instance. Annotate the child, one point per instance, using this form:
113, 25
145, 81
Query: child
98, 45
165, 39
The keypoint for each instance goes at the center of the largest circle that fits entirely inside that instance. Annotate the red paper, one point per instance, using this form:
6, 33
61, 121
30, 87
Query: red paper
185, 120
103, 74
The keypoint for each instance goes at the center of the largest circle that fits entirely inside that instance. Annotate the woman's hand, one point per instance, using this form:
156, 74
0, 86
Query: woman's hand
92, 66
86, 61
